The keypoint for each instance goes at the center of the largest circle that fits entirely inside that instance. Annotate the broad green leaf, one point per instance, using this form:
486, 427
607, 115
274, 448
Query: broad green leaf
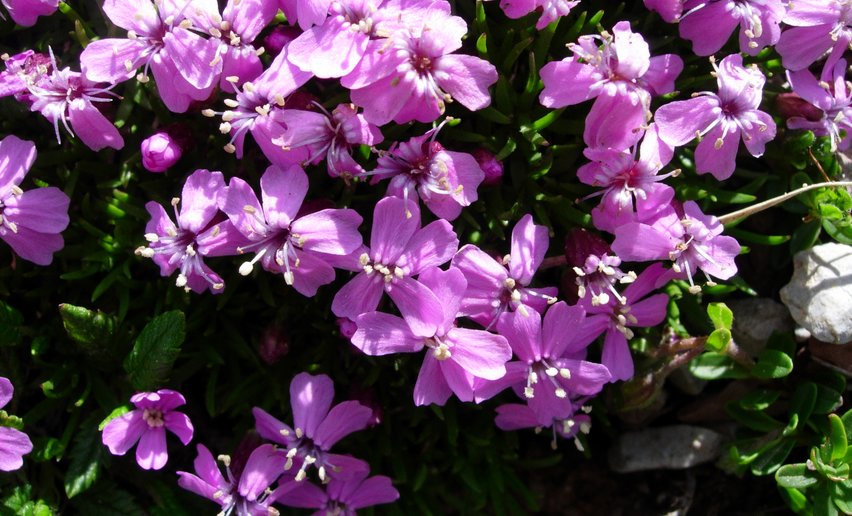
796, 500
797, 476
772, 364
823, 505
85, 455
87, 327
718, 340
150, 361
837, 437
841, 494
713, 366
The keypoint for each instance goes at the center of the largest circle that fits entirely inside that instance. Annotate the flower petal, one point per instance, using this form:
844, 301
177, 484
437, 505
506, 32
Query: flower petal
13, 445
92, 127
152, 452
383, 334
342, 420
310, 399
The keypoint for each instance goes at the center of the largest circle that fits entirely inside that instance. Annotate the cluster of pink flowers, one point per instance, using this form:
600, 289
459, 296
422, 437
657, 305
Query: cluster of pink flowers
482, 322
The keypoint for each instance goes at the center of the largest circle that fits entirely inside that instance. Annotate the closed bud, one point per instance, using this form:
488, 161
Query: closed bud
160, 151
489, 164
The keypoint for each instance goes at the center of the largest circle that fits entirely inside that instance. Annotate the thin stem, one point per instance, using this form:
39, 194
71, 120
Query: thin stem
755, 208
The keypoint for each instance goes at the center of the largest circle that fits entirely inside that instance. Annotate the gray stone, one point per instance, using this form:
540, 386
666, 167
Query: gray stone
668, 447
754, 321
819, 294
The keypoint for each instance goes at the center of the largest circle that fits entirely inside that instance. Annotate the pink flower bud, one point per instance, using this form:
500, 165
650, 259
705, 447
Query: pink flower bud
790, 105
273, 345
276, 40
489, 164
160, 151
347, 327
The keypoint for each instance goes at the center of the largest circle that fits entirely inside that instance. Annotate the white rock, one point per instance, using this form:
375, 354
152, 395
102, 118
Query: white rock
669, 447
819, 294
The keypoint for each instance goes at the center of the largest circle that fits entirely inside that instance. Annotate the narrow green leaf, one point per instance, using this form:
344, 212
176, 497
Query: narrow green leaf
10, 320
721, 315
760, 421
772, 457
772, 363
796, 500
837, 436
828, 399
150, 361
797, 476
841, 493
760, 399
823, 505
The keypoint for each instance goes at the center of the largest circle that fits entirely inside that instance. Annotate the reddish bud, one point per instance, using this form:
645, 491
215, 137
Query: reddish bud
489, 164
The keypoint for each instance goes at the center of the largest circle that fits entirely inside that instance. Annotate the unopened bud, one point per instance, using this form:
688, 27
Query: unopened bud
160, 151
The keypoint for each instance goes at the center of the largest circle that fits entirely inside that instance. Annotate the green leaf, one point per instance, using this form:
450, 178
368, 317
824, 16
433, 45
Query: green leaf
756, 420
772, 457
713, 366
150, 361
796, 500
797, 476
87, 327
120, 411
718, 340
759, 399
20, 503
841, 493
85, 455
823, 505
827, 400
772, 363
837, 437
107, 500
803, 400
10, 320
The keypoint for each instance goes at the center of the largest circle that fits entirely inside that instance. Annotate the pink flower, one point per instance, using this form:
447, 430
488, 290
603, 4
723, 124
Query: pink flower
720, 120
342, 496
445, 180
71, 98
245, 491
317, 426
550, 10
495, 287
619, 72
14, 444
25, 12
708, 25
31, 221
832, 101
419, 74
155, 413
818, 26
22, 70
455, 356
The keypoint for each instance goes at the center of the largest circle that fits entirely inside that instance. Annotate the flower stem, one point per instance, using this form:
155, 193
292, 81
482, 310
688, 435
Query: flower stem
756, 208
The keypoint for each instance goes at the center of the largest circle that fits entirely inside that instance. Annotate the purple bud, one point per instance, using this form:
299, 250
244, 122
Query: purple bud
580, 244
347, 327
276, 40
160, 151
790, 105
273, 345
489, 164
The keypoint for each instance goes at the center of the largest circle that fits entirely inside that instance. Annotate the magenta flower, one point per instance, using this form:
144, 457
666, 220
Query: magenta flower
158, 41
619, 313
342, 496
490, 165
421, 74
492, 288
633, 190
147, 424
550, 372
455, 356
14, 444
71, 98
684, 235
235, 60
833, 100
257, 111
243, 492
183, 246
669, 10
720, 121
22, 70
514, 416
317, 427
619, 72
31, 221
305, 13
818, 26
329, 136
445, 180
550, 10
708, 25
401, 249
284, 240
25, 12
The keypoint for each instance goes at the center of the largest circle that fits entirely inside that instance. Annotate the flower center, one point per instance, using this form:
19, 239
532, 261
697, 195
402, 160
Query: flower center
154, 417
